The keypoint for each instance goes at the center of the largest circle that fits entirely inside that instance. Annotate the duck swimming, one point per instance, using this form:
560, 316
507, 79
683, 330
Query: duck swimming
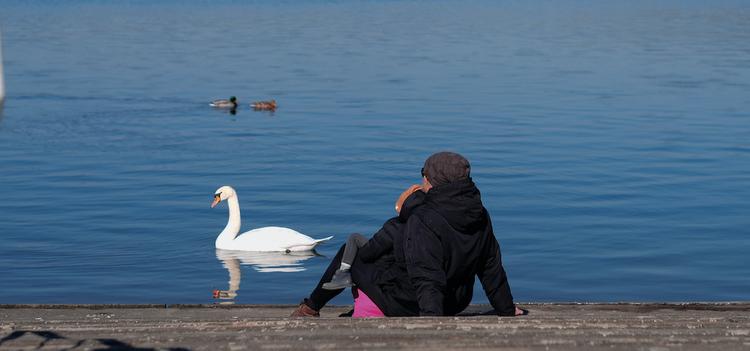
224, 103
264, 105
262, 239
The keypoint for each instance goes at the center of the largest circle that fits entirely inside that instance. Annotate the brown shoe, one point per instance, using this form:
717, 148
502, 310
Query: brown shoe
305, 311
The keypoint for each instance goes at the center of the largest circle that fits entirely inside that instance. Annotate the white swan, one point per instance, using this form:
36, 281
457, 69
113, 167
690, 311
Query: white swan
261, 239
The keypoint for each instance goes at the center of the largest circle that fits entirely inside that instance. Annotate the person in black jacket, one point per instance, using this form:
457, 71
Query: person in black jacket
450, 241
440, 242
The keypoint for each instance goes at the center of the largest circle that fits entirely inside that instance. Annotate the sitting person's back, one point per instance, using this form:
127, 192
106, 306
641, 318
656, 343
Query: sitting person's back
449, 240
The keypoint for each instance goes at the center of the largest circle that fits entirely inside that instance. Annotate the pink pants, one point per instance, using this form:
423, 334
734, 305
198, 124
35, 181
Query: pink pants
365, 308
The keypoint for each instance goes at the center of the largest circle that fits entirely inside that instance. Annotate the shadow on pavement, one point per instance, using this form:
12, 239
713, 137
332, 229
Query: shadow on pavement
97, 344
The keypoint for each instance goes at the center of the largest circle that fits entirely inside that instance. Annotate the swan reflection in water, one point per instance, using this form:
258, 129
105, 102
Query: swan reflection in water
263, 262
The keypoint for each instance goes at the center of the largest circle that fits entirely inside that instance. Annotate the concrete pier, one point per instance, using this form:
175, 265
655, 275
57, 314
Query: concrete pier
647, 326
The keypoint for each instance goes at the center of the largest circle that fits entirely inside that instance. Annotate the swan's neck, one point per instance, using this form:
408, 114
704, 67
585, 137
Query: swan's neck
233, 225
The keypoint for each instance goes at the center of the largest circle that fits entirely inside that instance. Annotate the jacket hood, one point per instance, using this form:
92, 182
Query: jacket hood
460, 203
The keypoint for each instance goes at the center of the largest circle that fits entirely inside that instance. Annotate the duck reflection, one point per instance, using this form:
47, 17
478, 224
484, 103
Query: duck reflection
263, 262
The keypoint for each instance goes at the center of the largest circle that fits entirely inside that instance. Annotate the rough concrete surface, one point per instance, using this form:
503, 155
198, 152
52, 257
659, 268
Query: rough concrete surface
709, 326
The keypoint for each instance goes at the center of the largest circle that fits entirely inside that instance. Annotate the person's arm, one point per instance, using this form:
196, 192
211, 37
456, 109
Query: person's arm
405, 194
494, 280
381, 242
410, 203
424, 263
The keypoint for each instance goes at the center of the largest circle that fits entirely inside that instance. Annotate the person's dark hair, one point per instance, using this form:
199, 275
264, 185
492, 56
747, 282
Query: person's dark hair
446, 167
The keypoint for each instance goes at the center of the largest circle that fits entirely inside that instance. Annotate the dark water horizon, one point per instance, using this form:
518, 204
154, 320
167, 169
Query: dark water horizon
609, 140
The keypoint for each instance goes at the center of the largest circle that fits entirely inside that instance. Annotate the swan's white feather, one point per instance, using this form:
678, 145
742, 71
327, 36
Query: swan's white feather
272, 239
266, 239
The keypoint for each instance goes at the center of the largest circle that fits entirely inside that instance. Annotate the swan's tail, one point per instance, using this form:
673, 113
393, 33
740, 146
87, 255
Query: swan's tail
318, 241
308, 247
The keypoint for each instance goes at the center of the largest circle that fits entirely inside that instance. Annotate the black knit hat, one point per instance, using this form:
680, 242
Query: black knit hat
446, 167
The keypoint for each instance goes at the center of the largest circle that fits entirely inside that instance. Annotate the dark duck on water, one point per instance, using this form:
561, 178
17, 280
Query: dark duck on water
224, 103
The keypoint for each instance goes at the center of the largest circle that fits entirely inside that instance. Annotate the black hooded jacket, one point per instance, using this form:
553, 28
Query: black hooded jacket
424, 261
448, 241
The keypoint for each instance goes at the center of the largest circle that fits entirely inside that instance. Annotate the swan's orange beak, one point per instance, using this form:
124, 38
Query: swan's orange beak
217, 199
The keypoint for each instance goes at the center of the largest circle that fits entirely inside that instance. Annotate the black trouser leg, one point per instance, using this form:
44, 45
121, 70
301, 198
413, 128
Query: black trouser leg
509, 308
319, 296
353, 244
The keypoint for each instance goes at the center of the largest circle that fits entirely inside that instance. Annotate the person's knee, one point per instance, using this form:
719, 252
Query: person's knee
356, 238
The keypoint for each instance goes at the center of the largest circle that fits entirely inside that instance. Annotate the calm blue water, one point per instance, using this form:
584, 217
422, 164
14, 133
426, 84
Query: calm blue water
611, 141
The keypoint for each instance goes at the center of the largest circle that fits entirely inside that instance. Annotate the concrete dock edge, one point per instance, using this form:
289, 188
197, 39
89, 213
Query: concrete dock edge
558, 326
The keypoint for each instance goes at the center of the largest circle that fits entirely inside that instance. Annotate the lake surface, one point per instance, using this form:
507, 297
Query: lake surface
610, 140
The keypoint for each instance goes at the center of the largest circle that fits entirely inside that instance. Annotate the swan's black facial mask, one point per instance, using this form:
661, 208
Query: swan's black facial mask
217, 199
